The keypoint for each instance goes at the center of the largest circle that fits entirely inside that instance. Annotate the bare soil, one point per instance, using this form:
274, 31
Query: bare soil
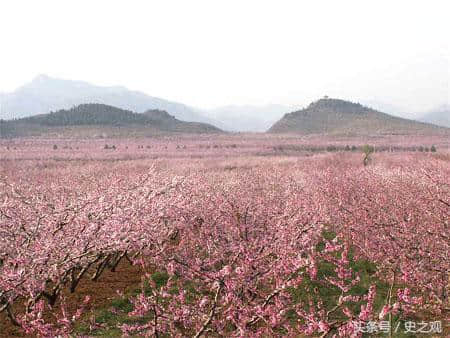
126, 278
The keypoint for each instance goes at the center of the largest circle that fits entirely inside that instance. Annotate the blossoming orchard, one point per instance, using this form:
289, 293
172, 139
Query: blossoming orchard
226, 236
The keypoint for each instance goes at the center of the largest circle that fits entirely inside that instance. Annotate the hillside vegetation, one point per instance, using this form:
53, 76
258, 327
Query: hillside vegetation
98, 119
333, 116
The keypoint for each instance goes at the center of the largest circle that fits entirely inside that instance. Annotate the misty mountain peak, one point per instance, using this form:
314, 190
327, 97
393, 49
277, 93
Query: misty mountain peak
44, 94
41, 78
439, 116
45, 81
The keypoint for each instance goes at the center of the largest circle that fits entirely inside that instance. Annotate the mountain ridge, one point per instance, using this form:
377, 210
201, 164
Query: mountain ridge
439, 116
44, 94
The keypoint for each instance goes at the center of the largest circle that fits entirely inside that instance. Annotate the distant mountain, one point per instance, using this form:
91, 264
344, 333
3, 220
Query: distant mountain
99, 119
45, 94
333, 116
440, 116
247, 117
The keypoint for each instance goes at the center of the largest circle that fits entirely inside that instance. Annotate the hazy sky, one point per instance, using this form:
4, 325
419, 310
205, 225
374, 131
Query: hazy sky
211, 53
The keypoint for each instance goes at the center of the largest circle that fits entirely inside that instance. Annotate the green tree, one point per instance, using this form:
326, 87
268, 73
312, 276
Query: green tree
367, 150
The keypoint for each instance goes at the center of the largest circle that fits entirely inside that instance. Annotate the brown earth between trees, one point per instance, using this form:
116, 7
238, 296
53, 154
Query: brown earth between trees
126, 278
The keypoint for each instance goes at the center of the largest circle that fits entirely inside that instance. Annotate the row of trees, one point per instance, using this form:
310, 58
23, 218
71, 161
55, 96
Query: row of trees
353, 148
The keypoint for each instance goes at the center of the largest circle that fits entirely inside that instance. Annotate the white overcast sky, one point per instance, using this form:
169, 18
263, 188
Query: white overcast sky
211, 53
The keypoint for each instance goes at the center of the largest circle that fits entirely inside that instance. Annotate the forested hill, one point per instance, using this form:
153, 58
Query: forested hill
87, 114
100, 116
334, 116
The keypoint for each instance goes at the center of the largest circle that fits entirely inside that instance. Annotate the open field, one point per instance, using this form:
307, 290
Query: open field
224, 235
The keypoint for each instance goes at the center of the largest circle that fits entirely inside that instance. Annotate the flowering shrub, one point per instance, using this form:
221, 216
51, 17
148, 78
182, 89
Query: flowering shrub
246, 247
